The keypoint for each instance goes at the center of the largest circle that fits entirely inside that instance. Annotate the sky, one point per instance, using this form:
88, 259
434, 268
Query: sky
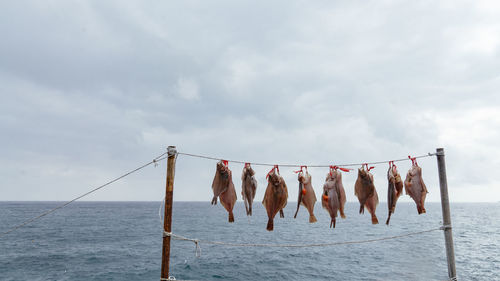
92, 89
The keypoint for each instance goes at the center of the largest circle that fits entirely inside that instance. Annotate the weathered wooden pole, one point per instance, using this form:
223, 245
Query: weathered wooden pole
445, 205
167, 219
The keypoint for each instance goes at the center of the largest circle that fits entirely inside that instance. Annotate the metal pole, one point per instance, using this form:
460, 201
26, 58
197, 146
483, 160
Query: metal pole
167, 220
445, 205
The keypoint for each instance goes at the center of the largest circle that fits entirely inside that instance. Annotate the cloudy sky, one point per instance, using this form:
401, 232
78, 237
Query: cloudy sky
92, 89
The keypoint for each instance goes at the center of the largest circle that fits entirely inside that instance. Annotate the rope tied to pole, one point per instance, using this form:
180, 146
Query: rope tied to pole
230, 244
197, 250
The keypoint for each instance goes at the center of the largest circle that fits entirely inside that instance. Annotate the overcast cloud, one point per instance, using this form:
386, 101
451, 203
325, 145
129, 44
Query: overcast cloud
92, 89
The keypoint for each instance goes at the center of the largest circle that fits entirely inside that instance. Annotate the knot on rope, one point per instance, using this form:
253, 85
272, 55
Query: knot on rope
445, 227
167, 279
197, 249
171, 150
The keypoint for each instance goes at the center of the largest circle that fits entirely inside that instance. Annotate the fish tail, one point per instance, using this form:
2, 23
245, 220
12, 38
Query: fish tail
214, 200
231, 217
270, 225
342, 215
312, 219
362, 209
332, 222
388, 219
250, 210
374, 219
246, 205
282, 214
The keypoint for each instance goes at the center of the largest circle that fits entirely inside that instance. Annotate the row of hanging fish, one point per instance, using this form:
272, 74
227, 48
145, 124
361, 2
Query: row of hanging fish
333, 198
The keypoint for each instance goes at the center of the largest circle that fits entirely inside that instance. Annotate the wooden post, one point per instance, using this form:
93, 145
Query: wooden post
445, 205
167, 220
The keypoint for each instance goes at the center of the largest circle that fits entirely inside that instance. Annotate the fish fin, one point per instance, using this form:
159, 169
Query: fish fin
332, 223
270, 225
341, 210
214, 200
246, 206
282, 214
231, 217
312, 219
362, 209
374, 219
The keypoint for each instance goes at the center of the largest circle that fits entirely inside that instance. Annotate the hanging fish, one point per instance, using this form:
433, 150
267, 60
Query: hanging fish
415, 186
248, 187
365, 190
333, 199
275, 197
223, 188
307, 197
395, 188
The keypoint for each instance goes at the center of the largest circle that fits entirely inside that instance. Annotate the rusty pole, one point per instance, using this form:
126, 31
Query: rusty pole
445, 206
167, 220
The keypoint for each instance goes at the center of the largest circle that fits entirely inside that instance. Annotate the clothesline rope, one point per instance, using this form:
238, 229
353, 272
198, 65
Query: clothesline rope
299, 165
230, 244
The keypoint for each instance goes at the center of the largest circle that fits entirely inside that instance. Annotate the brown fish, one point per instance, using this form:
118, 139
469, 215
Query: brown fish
395, 188
248, 187
223, 188
333, 199
307, 197
365, 190
415, 186
276, 195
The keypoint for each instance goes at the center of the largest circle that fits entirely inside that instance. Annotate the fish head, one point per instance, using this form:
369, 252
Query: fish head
300, 177
329, 176
362, 173
222, 169
365, 176
274, 179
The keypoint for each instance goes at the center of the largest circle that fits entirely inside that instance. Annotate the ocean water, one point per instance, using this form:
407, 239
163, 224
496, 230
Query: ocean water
123, 240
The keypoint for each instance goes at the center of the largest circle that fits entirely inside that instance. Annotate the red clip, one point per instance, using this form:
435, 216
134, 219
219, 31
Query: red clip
225, 162
368, 168
298, 171
247, 165
413, 160
340, 168
275, 167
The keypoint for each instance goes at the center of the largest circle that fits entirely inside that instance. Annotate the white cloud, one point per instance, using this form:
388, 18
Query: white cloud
187, 89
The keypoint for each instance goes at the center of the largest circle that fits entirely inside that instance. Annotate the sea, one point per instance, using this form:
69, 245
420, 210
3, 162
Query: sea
123, 241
